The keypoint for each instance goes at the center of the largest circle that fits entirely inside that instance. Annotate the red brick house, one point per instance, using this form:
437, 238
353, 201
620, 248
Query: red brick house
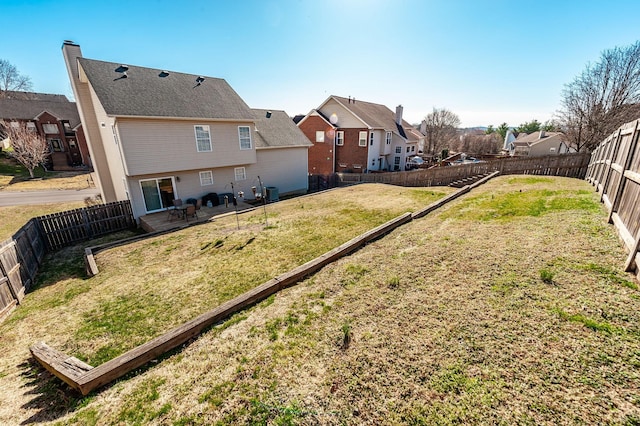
54, 117
350, 135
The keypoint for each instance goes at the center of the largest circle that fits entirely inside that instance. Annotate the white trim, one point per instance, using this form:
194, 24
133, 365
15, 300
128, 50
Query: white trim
206, 181
240, 138
243, 176
360, 138
156, 179
208, 130
339, 132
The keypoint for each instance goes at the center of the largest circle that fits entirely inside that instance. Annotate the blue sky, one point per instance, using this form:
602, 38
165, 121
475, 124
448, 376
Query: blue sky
487, 61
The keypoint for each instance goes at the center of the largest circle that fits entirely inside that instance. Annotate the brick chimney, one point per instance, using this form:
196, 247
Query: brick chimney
399, 115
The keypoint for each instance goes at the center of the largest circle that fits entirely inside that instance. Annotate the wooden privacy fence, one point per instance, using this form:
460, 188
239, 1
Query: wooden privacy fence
569, 165
67, 228
20, 258
615, 171
22, 254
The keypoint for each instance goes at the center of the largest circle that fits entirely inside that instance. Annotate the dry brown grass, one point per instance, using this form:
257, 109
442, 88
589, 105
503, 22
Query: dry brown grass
14, 177
52, 180
448, 319
12, 218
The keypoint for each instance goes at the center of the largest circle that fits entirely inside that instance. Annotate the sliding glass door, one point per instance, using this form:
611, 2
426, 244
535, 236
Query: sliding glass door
158, 193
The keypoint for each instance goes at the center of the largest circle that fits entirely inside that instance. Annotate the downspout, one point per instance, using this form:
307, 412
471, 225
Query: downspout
335, 137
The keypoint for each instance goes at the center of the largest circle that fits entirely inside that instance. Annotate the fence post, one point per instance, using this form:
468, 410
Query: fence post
615, 143
615, 203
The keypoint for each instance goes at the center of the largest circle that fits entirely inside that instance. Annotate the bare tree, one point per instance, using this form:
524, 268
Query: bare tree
28, 147
604, 96
478, 144
440, 126
11, 79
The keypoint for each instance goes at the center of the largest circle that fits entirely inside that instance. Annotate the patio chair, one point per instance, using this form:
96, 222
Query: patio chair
190, 212
173, 210
198, 204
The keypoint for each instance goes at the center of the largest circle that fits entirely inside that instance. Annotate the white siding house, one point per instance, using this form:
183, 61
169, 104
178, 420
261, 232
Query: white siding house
156, 135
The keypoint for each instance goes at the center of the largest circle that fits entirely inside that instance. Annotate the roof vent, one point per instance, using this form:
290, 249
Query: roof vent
163, 74
199, 80
122, 68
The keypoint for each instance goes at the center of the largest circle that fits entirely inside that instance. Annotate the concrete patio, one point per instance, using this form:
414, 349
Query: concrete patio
162, 221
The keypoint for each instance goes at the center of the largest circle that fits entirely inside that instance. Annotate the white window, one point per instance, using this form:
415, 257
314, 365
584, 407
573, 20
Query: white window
396, 161
398, 150
240, 173
206, 178
50, 128
31, 126
244, 133
371, 138
203, 138
388, 138
319, 136
408, 149
413, 149
362, 139
340, 137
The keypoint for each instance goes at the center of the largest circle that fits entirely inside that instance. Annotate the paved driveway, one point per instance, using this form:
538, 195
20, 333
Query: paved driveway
9, 198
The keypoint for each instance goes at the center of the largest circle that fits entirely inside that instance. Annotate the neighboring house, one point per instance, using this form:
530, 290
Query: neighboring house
509, 139
538, 144
157, 135
356, 136
53, 117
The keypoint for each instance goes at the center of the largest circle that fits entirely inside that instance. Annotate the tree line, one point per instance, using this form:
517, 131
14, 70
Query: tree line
605, 95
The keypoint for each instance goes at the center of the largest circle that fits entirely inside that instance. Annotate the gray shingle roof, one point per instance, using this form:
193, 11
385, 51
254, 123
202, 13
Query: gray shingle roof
147, 92
21, 109
375, 115
33, 96
277, 131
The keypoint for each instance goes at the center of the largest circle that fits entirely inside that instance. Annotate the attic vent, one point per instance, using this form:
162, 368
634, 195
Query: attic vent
163, 74
122, 68
199, 80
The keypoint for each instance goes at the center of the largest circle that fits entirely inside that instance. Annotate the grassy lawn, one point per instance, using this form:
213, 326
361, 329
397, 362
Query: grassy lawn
13, 218
506, 306
15, 177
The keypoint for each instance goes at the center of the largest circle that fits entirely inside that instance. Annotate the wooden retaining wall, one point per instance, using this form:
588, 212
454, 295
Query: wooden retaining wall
614, 169
85, 378
22, 254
